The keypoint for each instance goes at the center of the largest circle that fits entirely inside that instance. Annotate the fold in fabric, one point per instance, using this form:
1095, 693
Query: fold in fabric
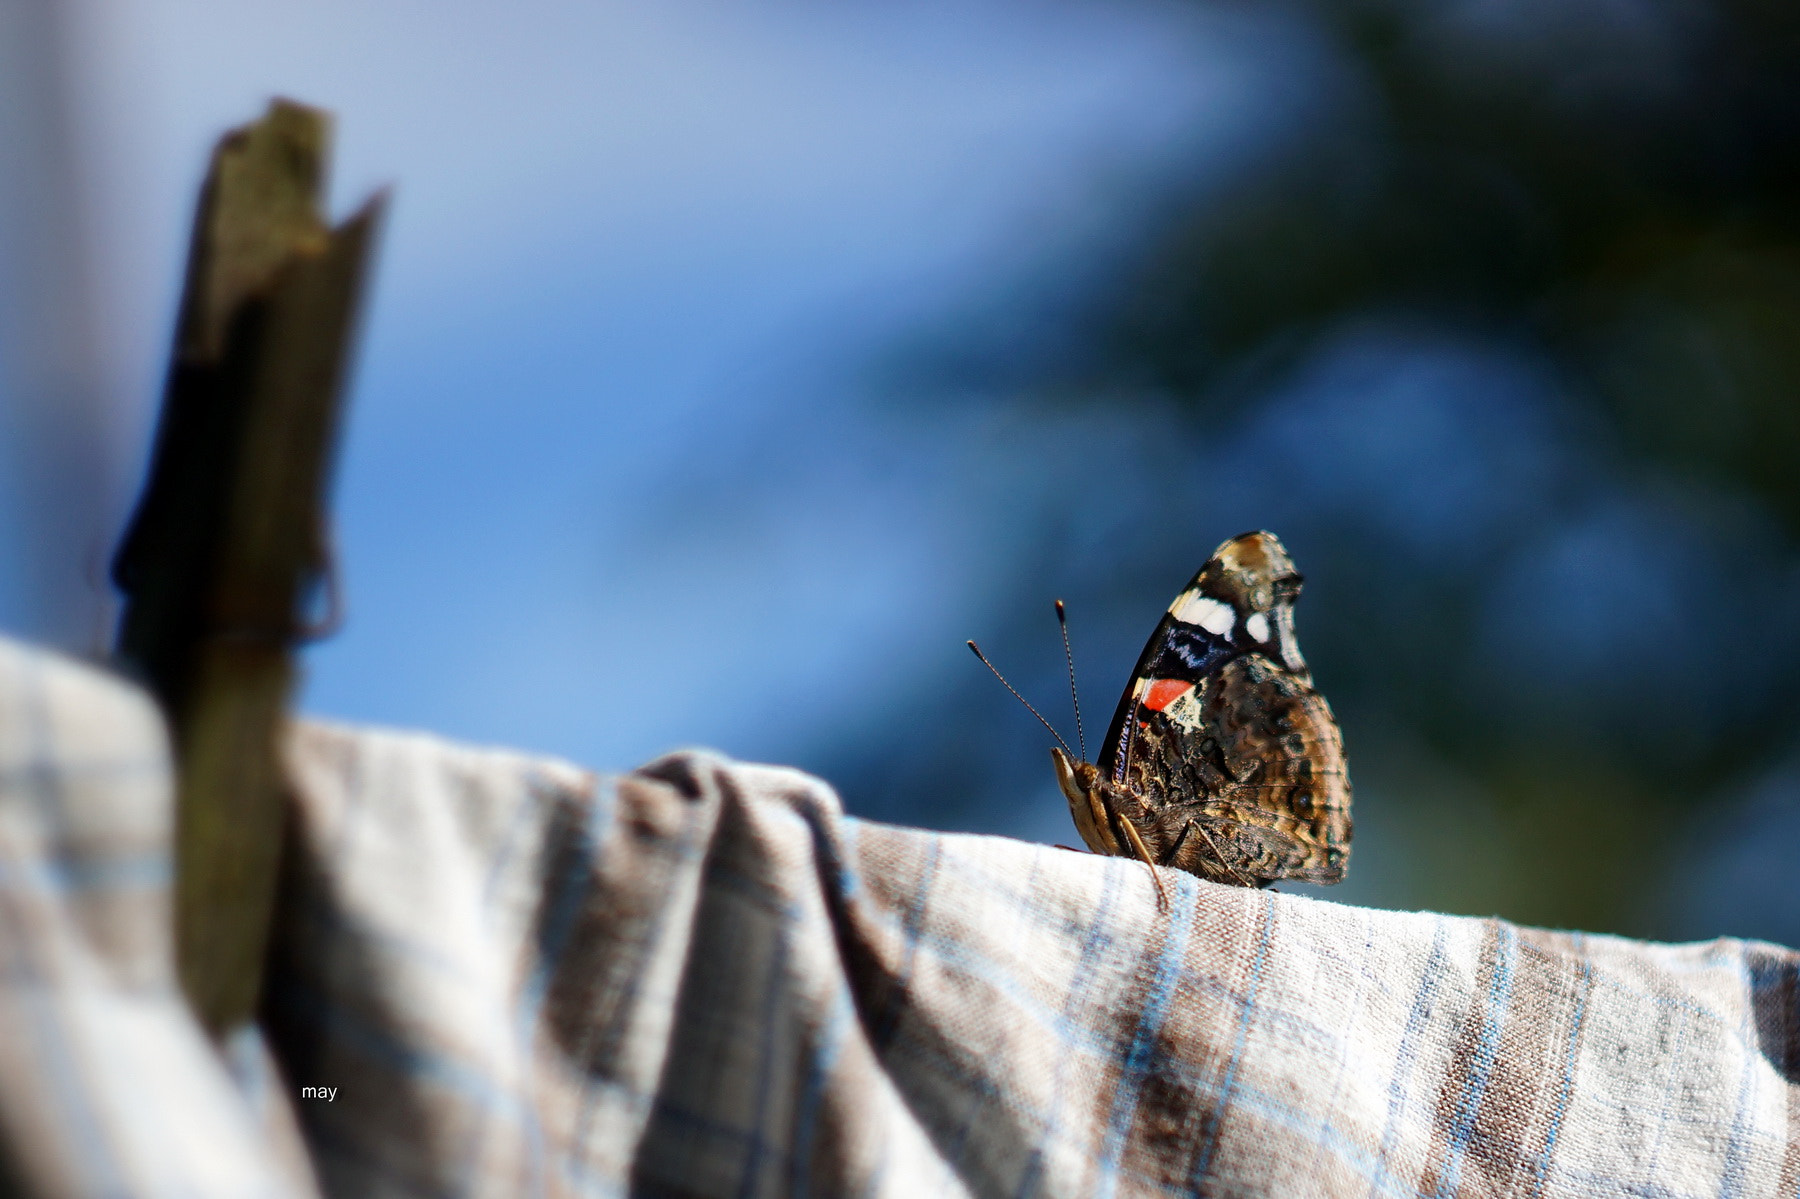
503, 975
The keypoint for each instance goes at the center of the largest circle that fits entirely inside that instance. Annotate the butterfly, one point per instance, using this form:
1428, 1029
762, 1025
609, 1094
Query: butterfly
1222, 759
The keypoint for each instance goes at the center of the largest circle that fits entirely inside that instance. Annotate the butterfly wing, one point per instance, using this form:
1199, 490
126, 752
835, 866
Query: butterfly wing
1232, 762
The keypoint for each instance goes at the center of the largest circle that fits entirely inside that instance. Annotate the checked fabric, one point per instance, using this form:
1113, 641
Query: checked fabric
517, 978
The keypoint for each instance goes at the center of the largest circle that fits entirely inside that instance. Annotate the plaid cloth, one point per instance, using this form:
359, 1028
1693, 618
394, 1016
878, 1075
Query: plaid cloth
512, 977
107, 1086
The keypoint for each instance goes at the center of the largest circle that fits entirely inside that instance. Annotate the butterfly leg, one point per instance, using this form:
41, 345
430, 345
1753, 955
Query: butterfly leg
1174, 850
1143, 853
1214, 846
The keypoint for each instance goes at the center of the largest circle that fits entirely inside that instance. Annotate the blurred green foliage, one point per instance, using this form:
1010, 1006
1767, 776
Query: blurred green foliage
1620, 182
1617, 188
1550, 710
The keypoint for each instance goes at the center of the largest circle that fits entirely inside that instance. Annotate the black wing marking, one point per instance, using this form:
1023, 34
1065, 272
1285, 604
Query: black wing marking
1184, 651
1176, 650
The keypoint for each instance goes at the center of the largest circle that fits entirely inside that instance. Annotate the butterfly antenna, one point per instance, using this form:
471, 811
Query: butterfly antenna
1020, 698
1062, 618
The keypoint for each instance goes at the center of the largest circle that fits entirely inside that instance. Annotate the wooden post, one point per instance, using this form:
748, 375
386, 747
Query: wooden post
227, 549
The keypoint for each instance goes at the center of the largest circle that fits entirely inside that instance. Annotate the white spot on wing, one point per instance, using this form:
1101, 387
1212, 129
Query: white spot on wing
1186, 710
1257, 625
1190, 607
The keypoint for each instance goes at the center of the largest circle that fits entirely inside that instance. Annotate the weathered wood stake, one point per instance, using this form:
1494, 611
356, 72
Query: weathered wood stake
227, 549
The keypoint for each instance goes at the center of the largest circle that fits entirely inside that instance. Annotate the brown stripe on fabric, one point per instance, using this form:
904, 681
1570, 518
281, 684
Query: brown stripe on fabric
1116, 1024
1168, 1115
1166, 1110
1104, 997
600, 917
943, 1028
878, 962
1187, 1096
1458, 1075
1775, 1011
1493, 1100
322, 982
1566, 986
746, 1029
1790, 1159
1500, 1106
596, 923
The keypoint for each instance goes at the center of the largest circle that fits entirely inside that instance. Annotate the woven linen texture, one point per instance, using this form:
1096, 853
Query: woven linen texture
107, 1086
520, 978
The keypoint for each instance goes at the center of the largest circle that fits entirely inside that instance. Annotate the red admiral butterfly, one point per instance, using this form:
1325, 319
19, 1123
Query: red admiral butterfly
1221, 759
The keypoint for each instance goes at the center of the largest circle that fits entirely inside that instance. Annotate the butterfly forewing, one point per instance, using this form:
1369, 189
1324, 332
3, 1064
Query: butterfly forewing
1221, 754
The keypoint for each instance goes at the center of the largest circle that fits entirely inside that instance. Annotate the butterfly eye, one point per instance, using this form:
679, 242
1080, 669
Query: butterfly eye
1287, 587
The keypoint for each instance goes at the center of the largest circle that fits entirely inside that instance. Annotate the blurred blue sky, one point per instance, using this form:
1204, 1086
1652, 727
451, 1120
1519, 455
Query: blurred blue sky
613, 479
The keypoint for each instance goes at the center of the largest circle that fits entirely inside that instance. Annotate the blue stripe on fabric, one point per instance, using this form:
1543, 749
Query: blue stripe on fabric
753, 890
1758, 980
1248, 1098
1540, 1169
63, 1084
1138, 1058
1790, 1069
840, 877
1060, 1022
1671, 1058
1228, 1089
980, 1092
1590, 1182
569, 893
1024, 996
687, 848
67, 876
1677, 1003
1407, 1056
698, 1125
816, 1078
394, 1173
1342, 1057
527, 815
765, 1063
1082, 1039
974, 1083
851, 890
39, 781
346, 1029
1481, 1070
63, 1087
843, 883
1731, 1175
323, 918
1306, 1123
1275, 1110
86, 770
849, 878
956, 953
912, 921
1048, 1119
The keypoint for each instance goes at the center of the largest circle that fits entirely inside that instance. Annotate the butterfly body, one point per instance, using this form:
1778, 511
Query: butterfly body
1222, 759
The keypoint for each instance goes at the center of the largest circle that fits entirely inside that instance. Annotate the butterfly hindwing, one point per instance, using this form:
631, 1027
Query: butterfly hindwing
1222, 756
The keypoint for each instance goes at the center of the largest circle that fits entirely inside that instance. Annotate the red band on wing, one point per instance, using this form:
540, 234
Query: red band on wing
1164, 692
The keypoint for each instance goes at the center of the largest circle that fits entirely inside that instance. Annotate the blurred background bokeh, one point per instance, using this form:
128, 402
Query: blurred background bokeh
728, 366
